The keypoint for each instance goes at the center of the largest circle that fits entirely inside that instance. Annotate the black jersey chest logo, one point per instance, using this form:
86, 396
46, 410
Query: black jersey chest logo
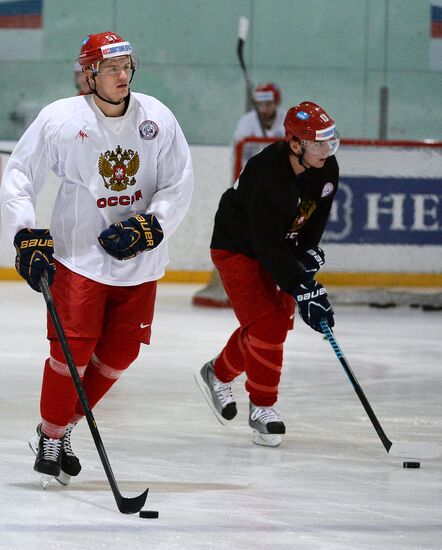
305, 210
118, 167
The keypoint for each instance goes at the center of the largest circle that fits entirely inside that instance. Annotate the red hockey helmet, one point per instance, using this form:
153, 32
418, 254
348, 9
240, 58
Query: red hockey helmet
309, 121
267, 92
104, 45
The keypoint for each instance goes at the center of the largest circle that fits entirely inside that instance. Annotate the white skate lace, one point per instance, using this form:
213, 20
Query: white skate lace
223, 391
67, 442
265, 415
51, 448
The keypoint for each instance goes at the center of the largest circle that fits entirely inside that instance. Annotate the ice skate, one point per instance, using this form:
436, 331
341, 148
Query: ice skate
218, 394
48, 456
266, 424
212, 295
69, 463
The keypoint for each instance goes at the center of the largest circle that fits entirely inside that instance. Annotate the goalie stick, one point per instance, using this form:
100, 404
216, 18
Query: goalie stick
125, 505
399, 450
243, 31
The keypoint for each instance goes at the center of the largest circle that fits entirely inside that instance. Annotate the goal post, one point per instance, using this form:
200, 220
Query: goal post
383, 240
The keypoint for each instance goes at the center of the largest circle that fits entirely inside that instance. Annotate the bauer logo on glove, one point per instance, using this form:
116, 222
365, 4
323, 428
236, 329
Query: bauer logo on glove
314, 307
145, 226
35, 249
124, 240
36, 243
320, 291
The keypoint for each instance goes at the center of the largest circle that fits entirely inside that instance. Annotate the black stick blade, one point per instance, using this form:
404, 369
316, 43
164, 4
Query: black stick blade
132, 505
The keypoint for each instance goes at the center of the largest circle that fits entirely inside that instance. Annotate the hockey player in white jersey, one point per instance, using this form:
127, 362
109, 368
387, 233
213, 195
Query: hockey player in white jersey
267, 98
125, 185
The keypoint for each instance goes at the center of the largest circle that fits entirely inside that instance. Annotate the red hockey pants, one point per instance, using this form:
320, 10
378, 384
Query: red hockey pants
104, 327
265, 314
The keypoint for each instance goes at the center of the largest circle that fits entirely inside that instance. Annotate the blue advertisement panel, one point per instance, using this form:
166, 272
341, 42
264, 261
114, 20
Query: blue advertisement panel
386, 210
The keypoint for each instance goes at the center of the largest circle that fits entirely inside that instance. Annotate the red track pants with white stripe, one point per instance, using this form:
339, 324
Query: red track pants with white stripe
265, 314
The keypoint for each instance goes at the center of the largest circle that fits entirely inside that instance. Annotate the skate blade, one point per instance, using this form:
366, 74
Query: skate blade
63, 479
33, 444
208, 397
45, 480
266, 440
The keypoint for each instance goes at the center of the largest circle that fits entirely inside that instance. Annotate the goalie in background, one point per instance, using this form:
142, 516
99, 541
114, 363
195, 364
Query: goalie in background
126, 181
267, 98
265, 245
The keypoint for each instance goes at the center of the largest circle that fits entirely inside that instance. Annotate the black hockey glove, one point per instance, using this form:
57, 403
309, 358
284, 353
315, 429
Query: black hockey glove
35, 249
124, 240
312, 260
314, 305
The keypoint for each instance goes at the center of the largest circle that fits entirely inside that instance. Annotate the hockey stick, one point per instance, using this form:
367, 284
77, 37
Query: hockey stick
125, 505
243, 31
399, 450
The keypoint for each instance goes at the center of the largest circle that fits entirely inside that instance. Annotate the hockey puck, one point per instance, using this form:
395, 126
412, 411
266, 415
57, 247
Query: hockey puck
149, 514
411, 464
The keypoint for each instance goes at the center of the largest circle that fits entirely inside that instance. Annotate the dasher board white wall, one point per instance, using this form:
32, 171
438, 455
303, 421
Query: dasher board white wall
412, 216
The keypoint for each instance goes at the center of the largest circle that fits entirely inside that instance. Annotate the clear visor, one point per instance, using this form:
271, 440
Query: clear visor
323, 148
114, 66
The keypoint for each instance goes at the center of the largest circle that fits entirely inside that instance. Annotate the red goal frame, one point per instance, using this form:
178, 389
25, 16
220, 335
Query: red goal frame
239, 146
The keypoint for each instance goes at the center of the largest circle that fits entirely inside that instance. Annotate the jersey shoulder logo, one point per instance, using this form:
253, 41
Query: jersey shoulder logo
327, 189
118, 167
148, 129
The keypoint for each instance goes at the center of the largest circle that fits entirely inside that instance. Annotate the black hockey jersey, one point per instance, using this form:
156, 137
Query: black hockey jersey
271, 214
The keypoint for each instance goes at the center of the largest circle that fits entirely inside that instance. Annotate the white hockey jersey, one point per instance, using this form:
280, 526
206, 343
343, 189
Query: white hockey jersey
110, 169
248, 125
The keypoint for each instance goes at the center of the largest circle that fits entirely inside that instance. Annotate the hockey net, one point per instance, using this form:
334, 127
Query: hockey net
383, 241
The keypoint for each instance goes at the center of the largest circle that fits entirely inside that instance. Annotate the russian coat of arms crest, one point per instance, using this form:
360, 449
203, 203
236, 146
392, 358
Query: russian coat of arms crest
118, 167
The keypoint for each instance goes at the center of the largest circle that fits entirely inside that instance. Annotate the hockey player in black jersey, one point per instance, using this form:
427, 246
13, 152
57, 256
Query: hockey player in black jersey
265, 244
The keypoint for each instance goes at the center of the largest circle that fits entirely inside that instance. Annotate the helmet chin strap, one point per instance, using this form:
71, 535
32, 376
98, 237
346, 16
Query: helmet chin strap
109, 101
94, 91
301, 157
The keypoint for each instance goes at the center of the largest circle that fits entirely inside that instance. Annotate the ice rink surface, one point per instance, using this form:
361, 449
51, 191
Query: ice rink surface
330, 485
